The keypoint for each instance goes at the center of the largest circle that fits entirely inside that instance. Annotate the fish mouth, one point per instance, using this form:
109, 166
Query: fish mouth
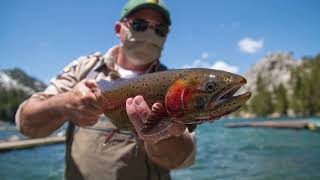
227, 103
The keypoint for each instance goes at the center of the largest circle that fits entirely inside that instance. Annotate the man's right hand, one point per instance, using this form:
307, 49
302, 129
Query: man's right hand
82, 106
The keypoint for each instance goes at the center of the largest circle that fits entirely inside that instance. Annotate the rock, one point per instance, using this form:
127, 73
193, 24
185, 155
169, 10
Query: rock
275, 69
18, 80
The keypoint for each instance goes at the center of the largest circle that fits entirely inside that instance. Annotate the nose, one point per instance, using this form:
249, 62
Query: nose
243, 80
239, 80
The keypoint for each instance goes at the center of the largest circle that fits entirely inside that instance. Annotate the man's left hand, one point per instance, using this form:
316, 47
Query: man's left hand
138, 112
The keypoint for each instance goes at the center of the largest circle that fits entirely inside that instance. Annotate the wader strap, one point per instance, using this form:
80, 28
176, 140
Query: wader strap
68, 158
71, 126
93, 73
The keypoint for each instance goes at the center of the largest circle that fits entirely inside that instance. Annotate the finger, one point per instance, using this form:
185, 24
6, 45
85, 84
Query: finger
92, 104
158, 107
142, 107
91, 84
92, 121
96, 93
158, 111
87, 121
85, 112
132, 114
86, 86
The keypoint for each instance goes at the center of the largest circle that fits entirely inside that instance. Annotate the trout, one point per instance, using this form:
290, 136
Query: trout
189, 96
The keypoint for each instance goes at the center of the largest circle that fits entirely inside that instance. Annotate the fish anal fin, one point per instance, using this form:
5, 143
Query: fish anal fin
158, 112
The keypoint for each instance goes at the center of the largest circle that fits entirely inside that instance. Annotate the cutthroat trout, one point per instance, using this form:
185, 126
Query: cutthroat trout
189, 96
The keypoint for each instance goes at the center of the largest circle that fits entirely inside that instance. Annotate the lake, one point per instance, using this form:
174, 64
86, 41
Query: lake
222, 153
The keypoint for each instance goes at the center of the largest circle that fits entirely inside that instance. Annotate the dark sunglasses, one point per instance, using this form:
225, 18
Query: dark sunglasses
141, 25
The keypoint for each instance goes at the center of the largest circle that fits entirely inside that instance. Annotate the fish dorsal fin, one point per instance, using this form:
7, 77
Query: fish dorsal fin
114, 75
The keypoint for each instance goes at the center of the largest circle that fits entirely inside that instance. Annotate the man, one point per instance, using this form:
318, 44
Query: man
95, 148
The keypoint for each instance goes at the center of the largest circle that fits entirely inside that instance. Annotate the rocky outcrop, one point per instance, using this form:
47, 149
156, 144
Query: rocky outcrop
17, 79
15, 87
274, 68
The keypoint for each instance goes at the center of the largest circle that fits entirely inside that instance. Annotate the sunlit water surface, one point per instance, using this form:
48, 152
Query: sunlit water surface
222, 153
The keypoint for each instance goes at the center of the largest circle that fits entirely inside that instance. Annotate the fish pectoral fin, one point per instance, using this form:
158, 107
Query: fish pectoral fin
158, 113
165, 128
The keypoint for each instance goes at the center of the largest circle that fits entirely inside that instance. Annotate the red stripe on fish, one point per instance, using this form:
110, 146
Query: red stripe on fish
174, 97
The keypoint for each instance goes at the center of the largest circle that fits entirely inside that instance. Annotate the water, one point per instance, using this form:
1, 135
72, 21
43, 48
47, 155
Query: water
222, 153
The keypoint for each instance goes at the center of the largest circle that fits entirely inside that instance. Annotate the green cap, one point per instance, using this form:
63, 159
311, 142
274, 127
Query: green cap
133, 5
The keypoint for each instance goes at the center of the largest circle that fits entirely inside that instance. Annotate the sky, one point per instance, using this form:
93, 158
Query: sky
43, 36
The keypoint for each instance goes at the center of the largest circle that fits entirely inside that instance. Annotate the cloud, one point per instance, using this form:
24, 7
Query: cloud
205, 55
249, 45
220, 65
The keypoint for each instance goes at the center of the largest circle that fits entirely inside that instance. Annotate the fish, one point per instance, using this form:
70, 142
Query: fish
189, 96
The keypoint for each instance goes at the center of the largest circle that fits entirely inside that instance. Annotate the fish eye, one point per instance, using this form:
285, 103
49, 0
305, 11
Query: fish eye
210, 86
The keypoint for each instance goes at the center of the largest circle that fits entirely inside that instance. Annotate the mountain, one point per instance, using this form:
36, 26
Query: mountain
274, 69
15, 87
283, 86
19, 80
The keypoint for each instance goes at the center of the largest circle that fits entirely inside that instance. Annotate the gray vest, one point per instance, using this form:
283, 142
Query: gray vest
103, 152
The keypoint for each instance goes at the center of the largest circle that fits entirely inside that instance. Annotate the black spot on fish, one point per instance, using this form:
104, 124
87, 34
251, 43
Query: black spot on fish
200, 103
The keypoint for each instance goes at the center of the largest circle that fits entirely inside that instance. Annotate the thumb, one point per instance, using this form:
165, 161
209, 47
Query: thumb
93, 87
91, 84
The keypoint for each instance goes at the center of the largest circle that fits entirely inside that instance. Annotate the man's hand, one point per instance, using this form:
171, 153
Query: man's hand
39, 118
169, 149
82, 107
139, 112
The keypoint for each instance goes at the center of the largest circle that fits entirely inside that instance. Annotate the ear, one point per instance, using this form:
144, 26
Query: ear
117, 29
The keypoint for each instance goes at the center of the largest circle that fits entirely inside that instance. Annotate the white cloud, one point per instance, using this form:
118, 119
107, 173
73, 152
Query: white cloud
220, 65
205, 55
249, 45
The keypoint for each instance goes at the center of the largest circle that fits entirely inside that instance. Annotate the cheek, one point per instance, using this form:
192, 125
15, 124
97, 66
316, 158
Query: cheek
173, 100
200, 103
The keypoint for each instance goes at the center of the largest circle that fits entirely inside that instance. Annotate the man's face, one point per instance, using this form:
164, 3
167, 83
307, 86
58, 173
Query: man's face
150, 15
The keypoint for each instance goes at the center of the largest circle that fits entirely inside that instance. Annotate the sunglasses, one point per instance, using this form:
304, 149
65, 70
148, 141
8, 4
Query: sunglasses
141, 25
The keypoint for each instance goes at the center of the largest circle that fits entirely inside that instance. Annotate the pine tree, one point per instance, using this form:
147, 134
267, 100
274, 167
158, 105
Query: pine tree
281, 102
305, 83
261, 103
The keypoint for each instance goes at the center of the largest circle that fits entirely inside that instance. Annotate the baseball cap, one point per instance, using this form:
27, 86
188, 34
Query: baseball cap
133, 5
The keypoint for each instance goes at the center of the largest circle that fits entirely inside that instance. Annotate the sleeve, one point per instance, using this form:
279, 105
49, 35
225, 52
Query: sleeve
190, 159
65, 81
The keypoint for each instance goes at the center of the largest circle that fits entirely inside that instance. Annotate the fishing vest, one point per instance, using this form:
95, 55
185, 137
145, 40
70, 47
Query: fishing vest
102, 152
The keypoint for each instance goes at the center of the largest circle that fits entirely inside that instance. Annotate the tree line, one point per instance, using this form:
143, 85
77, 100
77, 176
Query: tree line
302, 98
9, 103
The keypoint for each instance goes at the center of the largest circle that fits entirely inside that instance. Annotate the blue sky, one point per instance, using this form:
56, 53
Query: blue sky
42, 36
